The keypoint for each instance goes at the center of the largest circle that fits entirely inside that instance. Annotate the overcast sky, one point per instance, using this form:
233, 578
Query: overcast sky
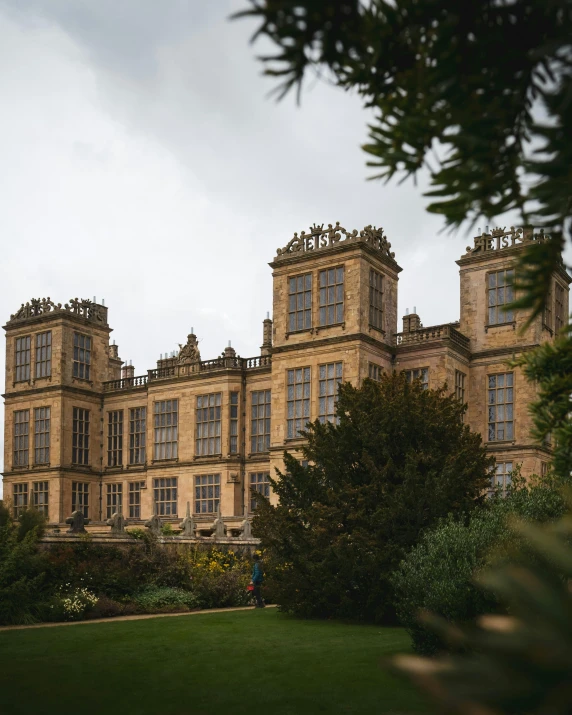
143, 162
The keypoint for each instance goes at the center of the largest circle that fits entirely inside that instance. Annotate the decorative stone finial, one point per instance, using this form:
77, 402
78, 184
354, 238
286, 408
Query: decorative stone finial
154, 524
117, 523
189, 353
187, 526
219, 531
77, 523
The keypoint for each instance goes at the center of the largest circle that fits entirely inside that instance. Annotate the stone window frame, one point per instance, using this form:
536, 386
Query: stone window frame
20, 496
376, 294
138, 435
39, 491
80, 498
502, 477
548, 311
260, 421
328, 390
42, 435
233, 408
43, 354
115, 439
504, 404
306, 308
496, 287
336, 302
411, 375
460, 377
165, 495
258, 482
165, 430
207, 444
374, 371
134, 492
22, 358
207, 493
559, 304
82, 349
305, 400
21, 439
113, 499
80, 435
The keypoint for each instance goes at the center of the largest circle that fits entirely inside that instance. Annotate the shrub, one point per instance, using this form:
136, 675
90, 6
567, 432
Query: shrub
24, 586
438, 574
161, 598
108, 608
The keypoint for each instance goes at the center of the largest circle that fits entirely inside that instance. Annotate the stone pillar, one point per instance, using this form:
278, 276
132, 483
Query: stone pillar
266, 348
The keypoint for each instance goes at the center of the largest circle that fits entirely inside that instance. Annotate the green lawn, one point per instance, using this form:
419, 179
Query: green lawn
236, 663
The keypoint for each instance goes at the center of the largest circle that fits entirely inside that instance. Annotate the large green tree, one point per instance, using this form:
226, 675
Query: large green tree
398, 461
479, 93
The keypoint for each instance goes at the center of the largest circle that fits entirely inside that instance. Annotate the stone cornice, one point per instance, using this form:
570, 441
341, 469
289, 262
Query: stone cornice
499, 352
333, 340
53, 388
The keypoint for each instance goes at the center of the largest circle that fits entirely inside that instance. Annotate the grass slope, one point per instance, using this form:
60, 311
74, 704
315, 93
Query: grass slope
236, 662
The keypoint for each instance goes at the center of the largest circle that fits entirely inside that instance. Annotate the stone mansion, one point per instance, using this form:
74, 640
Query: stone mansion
84, 432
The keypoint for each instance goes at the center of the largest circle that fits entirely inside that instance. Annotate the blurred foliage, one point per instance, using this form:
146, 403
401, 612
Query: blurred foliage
23, 572
479, 93
399, 460
437, 575
520, 663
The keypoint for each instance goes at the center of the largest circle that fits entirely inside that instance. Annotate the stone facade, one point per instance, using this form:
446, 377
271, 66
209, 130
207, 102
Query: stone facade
334, 301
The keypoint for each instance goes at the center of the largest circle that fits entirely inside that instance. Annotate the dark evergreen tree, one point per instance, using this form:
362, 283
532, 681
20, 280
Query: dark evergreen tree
399, 460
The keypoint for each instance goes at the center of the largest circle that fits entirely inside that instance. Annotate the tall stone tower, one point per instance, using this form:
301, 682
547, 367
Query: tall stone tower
499, 396
335, 313
57, 359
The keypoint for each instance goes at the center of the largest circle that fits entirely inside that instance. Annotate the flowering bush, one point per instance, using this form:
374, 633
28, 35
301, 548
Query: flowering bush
72, 603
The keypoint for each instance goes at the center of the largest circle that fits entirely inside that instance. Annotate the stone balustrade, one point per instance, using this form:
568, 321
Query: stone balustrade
447, 331
186, 370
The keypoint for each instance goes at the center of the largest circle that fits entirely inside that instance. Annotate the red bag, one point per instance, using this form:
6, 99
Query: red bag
250, 587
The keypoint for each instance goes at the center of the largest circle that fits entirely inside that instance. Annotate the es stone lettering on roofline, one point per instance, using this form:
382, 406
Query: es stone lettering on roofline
83, 308
322, 238
500, 238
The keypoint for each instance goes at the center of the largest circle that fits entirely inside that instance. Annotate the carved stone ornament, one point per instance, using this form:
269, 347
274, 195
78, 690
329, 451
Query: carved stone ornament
189, 353
40, 306
154, 524
219, 531
77, 523
319, 238
246, 529
117, 523
500, 238
188, 526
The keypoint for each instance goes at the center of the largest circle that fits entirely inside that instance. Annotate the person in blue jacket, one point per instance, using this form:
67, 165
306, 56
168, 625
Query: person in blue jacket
257, 579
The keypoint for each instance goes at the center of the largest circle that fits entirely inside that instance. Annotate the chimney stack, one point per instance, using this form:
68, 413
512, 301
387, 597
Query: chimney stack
127, 371
411, 321
266, 348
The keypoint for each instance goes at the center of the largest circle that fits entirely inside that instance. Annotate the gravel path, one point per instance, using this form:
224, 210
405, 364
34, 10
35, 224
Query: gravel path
130, 618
